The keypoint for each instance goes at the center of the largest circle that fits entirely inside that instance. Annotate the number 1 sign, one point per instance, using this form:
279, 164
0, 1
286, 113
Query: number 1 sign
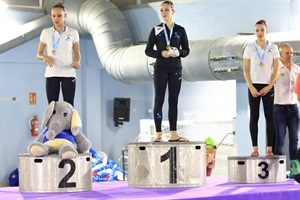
167, 164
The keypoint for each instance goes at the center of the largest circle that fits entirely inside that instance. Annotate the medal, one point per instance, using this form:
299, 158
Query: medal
56, 42
168, 38
261, 57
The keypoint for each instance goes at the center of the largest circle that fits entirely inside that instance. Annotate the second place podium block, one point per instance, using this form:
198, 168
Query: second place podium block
53, 174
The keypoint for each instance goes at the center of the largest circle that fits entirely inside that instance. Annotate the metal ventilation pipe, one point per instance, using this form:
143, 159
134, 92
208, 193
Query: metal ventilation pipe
222, 58
112, 37
216, 59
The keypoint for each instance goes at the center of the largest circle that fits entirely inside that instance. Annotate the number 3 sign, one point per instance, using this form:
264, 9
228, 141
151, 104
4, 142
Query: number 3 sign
256, 169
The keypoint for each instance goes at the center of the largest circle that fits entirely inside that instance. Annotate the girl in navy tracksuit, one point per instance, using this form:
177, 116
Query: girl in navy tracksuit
171, 44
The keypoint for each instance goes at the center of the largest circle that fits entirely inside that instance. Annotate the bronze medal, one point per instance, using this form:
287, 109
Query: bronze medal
168, 47
54, 53
261, 64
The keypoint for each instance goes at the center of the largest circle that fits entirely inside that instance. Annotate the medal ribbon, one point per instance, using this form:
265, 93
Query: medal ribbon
168, 39
55, 43
261, 57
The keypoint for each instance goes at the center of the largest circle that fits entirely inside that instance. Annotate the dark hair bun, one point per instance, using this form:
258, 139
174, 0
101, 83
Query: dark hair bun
263, 21
60, 4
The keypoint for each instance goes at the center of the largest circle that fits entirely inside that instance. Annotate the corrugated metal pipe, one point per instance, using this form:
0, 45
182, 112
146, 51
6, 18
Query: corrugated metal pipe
112, 37
216, 59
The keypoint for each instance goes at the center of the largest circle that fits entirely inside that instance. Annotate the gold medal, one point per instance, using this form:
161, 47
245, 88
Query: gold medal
261, 64
54, 53
168, 47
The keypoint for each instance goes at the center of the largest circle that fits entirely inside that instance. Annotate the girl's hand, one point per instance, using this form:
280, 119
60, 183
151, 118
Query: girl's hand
76, 65
165, 54
49, 61
265, 90
254, 92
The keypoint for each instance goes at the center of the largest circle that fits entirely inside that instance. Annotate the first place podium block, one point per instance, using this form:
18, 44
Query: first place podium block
167, 164
262, 169
53, 174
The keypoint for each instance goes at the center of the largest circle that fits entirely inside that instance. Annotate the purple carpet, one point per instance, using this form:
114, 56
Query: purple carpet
217, 188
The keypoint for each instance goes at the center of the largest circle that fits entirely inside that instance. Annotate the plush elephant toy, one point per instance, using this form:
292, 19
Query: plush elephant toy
62, 134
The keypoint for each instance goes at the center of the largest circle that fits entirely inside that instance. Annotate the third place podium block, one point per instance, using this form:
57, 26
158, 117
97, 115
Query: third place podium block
262, 169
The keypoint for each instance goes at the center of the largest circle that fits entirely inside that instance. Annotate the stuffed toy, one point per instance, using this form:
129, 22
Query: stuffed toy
211, 150
295, 167
173, 51
62, 134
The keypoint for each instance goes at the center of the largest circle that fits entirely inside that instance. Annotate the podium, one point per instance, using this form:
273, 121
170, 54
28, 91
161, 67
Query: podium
166, 164
54, 174
262, 169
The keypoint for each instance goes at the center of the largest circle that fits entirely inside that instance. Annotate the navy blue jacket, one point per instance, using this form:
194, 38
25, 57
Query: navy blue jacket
179, 39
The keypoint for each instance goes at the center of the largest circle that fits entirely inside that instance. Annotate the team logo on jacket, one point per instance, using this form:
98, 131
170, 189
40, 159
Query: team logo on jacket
158, 30
69, 37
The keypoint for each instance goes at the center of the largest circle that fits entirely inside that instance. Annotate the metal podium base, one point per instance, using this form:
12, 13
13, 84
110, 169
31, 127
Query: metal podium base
53, 174
167, 164
260, 169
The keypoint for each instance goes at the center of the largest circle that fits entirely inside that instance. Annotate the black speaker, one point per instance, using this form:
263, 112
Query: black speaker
121, 109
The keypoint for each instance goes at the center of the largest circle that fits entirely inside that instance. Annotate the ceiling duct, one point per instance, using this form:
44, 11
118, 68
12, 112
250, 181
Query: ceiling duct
216, 59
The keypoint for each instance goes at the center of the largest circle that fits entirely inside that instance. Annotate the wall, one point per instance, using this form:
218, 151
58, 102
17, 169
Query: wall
215, 18
21, 73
